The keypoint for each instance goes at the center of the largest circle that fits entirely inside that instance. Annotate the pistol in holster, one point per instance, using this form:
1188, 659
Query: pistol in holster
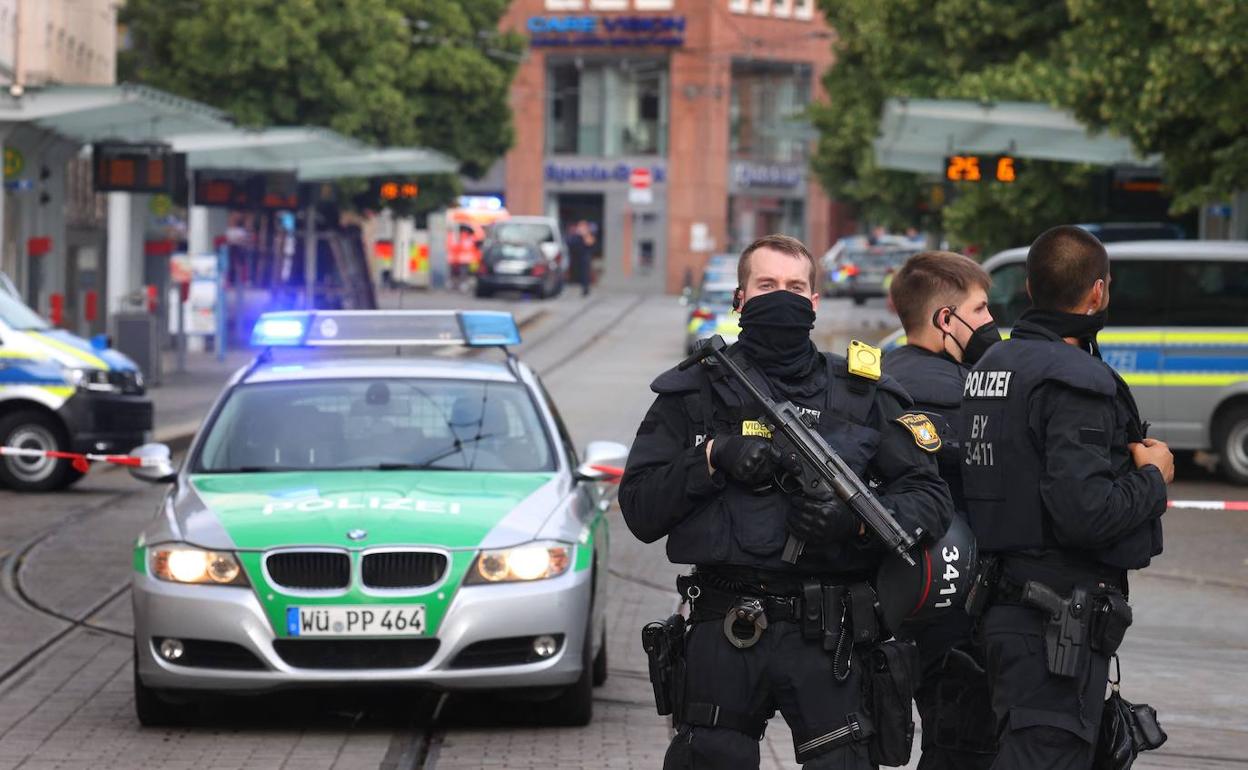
664, 643
1066, 632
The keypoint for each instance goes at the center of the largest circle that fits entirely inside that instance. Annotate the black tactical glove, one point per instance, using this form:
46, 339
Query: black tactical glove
749, 460
822, 521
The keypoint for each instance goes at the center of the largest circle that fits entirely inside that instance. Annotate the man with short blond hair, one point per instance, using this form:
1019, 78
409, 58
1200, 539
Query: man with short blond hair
704, 474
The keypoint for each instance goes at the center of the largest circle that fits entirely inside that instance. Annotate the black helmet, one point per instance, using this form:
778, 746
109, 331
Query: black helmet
943, 574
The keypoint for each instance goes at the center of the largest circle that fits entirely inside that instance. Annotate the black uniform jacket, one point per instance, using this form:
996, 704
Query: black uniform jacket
934, 381
1055, 452
667, 488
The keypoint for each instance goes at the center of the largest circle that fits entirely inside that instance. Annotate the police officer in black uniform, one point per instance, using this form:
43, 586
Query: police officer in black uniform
1065, 494
766, 634
942, 300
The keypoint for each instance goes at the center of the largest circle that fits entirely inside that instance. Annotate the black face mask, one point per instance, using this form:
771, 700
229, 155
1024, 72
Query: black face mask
981, 339
775, 334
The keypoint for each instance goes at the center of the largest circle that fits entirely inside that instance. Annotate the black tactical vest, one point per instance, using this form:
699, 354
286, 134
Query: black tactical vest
1002, 461
741, 527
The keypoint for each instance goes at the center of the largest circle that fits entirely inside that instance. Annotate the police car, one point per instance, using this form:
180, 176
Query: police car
61, 393
351, 516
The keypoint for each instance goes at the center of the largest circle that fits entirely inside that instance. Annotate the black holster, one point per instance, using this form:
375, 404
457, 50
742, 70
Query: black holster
664, 643
890, 682
1066, 643
981, 593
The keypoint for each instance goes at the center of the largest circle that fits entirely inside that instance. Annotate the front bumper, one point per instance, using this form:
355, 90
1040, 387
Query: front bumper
106, 422
477, 613
509, 281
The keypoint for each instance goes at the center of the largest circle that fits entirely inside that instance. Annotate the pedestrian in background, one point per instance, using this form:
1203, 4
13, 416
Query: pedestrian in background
766, 633
1065, 494
942, 300
581, 248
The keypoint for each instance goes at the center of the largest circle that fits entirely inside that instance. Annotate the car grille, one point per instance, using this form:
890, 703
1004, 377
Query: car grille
309, 569
402, 569
511, 651
355, 653
204, 653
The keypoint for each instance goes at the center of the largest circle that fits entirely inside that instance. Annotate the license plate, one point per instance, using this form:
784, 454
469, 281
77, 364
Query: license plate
506, 266
362, 620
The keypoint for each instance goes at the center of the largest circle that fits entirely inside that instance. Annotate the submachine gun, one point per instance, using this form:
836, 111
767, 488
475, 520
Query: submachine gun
822, 471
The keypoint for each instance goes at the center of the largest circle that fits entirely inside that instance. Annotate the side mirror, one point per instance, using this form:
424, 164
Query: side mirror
155, 464
604, 461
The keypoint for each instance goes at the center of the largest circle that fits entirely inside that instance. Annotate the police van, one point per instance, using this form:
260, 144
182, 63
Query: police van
1177, 333
59, 393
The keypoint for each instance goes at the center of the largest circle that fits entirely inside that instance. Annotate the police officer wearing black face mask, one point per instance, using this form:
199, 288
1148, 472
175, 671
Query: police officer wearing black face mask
1065, 494
942, 300
767, 634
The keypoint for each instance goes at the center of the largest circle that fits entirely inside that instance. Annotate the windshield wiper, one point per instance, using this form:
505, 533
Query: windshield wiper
428, 462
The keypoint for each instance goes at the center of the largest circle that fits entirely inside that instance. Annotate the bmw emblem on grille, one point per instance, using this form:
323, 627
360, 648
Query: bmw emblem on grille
357, 534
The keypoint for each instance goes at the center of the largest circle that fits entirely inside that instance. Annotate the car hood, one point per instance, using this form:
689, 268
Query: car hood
453, 509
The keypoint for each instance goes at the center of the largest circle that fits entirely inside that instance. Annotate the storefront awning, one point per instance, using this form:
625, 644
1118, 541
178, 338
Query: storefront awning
918, 134
133, 113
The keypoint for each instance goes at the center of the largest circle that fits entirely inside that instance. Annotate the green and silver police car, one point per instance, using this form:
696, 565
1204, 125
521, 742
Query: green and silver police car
348, 515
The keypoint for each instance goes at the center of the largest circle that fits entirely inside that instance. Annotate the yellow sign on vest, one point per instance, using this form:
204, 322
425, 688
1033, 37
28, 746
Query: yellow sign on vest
754, 428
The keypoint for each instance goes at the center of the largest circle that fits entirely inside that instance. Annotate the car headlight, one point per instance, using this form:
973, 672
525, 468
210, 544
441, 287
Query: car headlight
91, 379
186, 564
531, 561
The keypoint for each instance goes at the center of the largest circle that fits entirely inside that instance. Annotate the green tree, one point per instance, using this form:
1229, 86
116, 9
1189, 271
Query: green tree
434, 73
951, 49
1171, 76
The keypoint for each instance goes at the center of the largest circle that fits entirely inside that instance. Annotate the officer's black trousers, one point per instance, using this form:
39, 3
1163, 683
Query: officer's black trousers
958, 727
783, 671
1045, 721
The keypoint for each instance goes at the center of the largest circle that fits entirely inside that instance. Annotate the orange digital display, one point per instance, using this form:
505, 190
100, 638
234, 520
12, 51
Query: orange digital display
979, 168
138, 168
393, 190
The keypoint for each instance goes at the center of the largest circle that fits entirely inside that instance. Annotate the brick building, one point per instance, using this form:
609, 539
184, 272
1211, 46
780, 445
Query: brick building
707, 95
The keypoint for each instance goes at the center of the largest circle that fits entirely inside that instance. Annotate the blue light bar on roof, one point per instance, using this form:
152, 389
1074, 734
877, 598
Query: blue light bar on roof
280, 329
338, 328
489, 327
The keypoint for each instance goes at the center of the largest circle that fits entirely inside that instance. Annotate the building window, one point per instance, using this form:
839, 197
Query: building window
804, 9
607, 108
739, 6
768, 112
782, 9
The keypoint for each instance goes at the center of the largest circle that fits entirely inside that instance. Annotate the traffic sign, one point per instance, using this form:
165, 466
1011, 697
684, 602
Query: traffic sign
14, 162
640, 178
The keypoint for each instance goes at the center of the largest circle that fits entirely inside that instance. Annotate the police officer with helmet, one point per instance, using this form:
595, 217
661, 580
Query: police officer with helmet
942, 301
765, 633
1065, 494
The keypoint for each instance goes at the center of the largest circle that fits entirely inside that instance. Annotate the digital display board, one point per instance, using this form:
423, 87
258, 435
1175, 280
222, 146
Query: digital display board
394, 190
981, 168
246, 190
137, 168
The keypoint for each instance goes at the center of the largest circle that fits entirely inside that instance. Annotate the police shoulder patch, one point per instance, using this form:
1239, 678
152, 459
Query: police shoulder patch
864, 360
924, 432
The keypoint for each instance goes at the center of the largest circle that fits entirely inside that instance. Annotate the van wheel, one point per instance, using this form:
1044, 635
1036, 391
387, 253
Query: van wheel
1233, 445
34, 430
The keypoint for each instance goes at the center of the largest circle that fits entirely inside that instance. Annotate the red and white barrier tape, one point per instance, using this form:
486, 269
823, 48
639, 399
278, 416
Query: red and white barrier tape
1211, 505
80, 461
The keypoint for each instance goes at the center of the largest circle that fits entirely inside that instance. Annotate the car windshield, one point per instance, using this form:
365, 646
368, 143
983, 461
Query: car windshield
376, 424
716, 297
877, 257
523, 232
17, 316
509, 251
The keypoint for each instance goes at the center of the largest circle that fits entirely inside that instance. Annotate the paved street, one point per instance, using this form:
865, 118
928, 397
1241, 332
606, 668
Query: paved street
65, 675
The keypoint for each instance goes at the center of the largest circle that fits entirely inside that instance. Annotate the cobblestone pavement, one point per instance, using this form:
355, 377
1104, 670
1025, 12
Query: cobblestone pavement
65, 675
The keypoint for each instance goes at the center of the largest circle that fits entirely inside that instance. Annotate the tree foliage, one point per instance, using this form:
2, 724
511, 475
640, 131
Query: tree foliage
1172, 75
434, 73
1168, 74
